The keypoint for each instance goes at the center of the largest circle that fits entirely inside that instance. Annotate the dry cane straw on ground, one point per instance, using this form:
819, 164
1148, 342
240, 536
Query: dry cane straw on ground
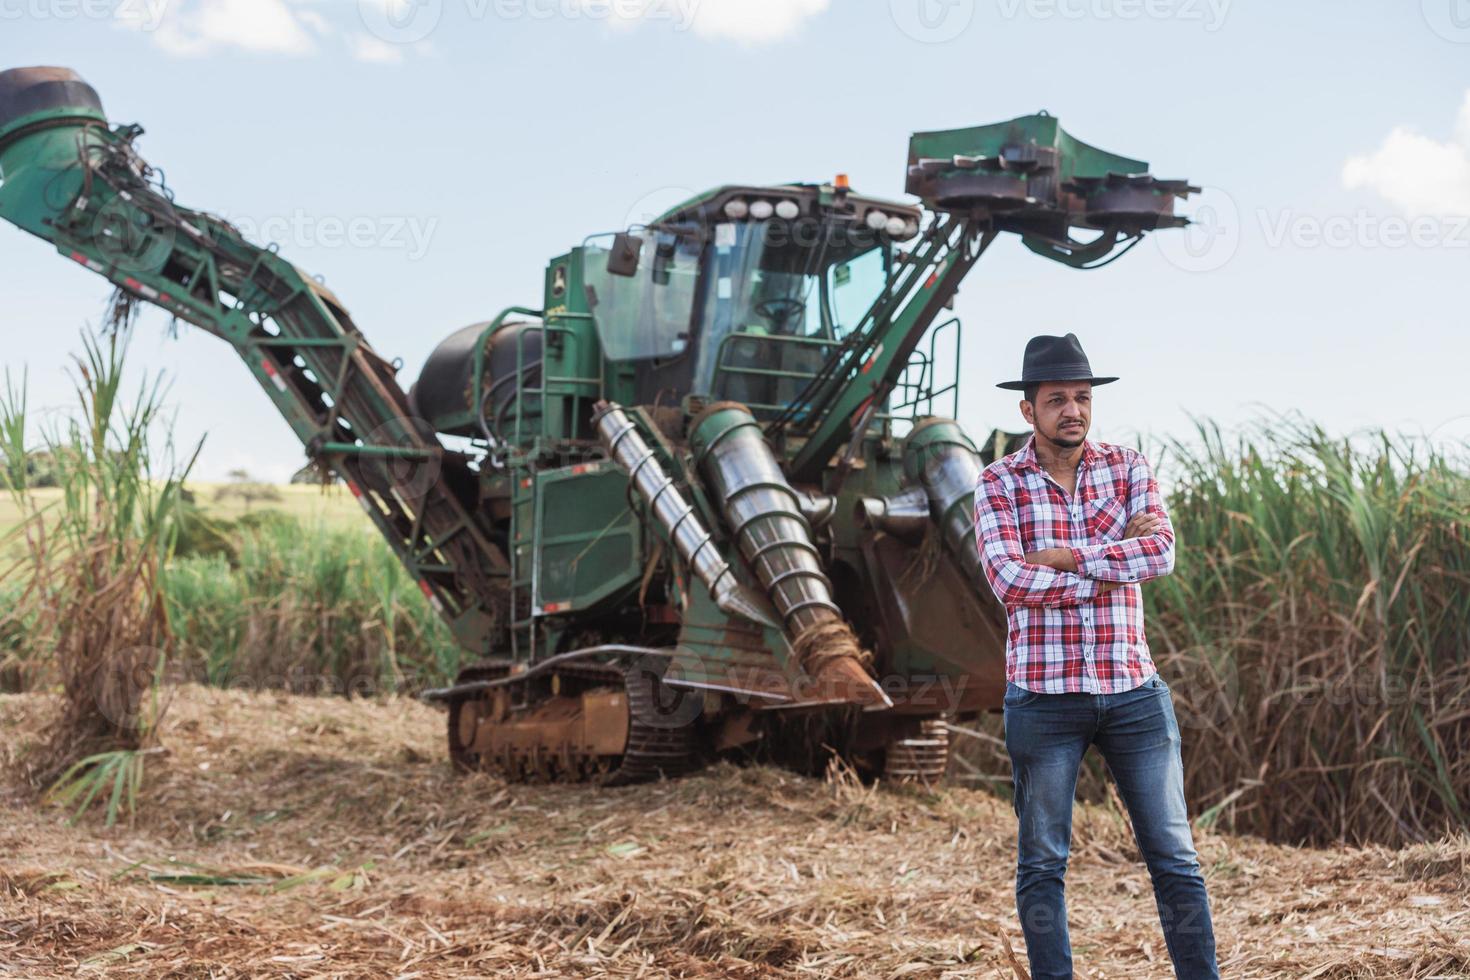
322, 837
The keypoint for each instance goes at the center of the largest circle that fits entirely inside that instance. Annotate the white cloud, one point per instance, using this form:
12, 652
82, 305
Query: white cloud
195, 28
1417, 173
260, 26
374, 51
746, 21
315, 21
754, 21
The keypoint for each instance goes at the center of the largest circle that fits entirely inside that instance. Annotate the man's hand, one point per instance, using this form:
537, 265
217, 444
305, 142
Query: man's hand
1142, 525
1059, 558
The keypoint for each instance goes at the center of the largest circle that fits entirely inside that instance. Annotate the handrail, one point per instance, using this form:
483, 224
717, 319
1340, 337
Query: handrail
922, 391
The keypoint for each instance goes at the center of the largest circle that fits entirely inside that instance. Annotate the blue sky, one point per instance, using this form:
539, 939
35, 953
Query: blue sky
428, 156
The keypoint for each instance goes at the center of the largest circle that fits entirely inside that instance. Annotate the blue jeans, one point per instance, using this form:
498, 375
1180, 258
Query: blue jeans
1046, 735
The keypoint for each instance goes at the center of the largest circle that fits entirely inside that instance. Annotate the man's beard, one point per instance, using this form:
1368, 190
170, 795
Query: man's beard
1067, 442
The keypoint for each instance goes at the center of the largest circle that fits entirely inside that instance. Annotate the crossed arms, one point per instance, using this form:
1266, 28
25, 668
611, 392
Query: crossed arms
1072, 575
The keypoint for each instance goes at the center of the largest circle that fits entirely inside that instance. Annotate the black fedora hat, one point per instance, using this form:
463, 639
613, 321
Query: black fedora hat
1054, 359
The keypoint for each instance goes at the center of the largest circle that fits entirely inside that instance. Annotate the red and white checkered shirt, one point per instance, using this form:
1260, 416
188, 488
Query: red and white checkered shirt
1064, 636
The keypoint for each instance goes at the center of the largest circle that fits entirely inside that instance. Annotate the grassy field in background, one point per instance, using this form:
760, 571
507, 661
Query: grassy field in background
1314, 632
332, 505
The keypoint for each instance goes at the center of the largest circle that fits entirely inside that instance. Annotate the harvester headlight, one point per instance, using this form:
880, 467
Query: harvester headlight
736, 208
761, 210
895, 227
876, 220
787, 209
910, 228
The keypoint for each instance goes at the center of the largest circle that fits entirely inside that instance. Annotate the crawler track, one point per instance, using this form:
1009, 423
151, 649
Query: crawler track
529, 730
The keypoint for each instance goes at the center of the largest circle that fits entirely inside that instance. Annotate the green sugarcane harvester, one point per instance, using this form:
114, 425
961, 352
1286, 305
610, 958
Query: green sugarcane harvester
700, 501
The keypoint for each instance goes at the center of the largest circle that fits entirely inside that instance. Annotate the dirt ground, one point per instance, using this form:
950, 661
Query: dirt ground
298, 837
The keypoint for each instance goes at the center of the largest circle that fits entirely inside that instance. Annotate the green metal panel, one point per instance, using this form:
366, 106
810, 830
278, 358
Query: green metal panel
720, 650
1078, 159
588, 540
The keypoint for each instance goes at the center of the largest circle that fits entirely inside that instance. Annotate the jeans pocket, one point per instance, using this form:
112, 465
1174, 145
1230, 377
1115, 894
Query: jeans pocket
1018, 697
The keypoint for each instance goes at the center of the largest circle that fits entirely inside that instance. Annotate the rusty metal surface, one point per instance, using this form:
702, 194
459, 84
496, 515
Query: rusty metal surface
919, 758
936, 611
490, 674
564, 738
622, 726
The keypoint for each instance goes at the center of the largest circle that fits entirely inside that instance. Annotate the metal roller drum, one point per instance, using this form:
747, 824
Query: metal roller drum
679, 521
938, 456
764, 513
765, 516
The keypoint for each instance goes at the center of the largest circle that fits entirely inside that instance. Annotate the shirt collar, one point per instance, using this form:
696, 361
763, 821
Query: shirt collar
1026, 456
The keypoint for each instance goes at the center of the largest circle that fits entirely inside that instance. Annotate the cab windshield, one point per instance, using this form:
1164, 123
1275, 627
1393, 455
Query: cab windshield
757, 307
778, 297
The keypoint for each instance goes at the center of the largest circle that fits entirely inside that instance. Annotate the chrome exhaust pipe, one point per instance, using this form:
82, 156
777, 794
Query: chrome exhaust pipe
904, 515
674, 514
764, 513
940, 458
765, 516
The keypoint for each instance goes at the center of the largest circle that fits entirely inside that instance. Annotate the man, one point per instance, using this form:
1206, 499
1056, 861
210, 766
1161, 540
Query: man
1067, 530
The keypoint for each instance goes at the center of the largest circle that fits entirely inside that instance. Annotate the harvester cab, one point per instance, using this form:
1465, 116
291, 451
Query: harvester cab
743, 292
707, 497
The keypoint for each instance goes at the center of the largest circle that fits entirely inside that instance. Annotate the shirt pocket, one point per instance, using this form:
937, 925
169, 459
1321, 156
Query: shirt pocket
1106, 518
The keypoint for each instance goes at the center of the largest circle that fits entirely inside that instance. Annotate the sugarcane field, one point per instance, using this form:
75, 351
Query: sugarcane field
553, 488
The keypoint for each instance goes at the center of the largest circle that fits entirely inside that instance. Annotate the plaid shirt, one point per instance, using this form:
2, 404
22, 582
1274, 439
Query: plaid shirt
1064, 636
